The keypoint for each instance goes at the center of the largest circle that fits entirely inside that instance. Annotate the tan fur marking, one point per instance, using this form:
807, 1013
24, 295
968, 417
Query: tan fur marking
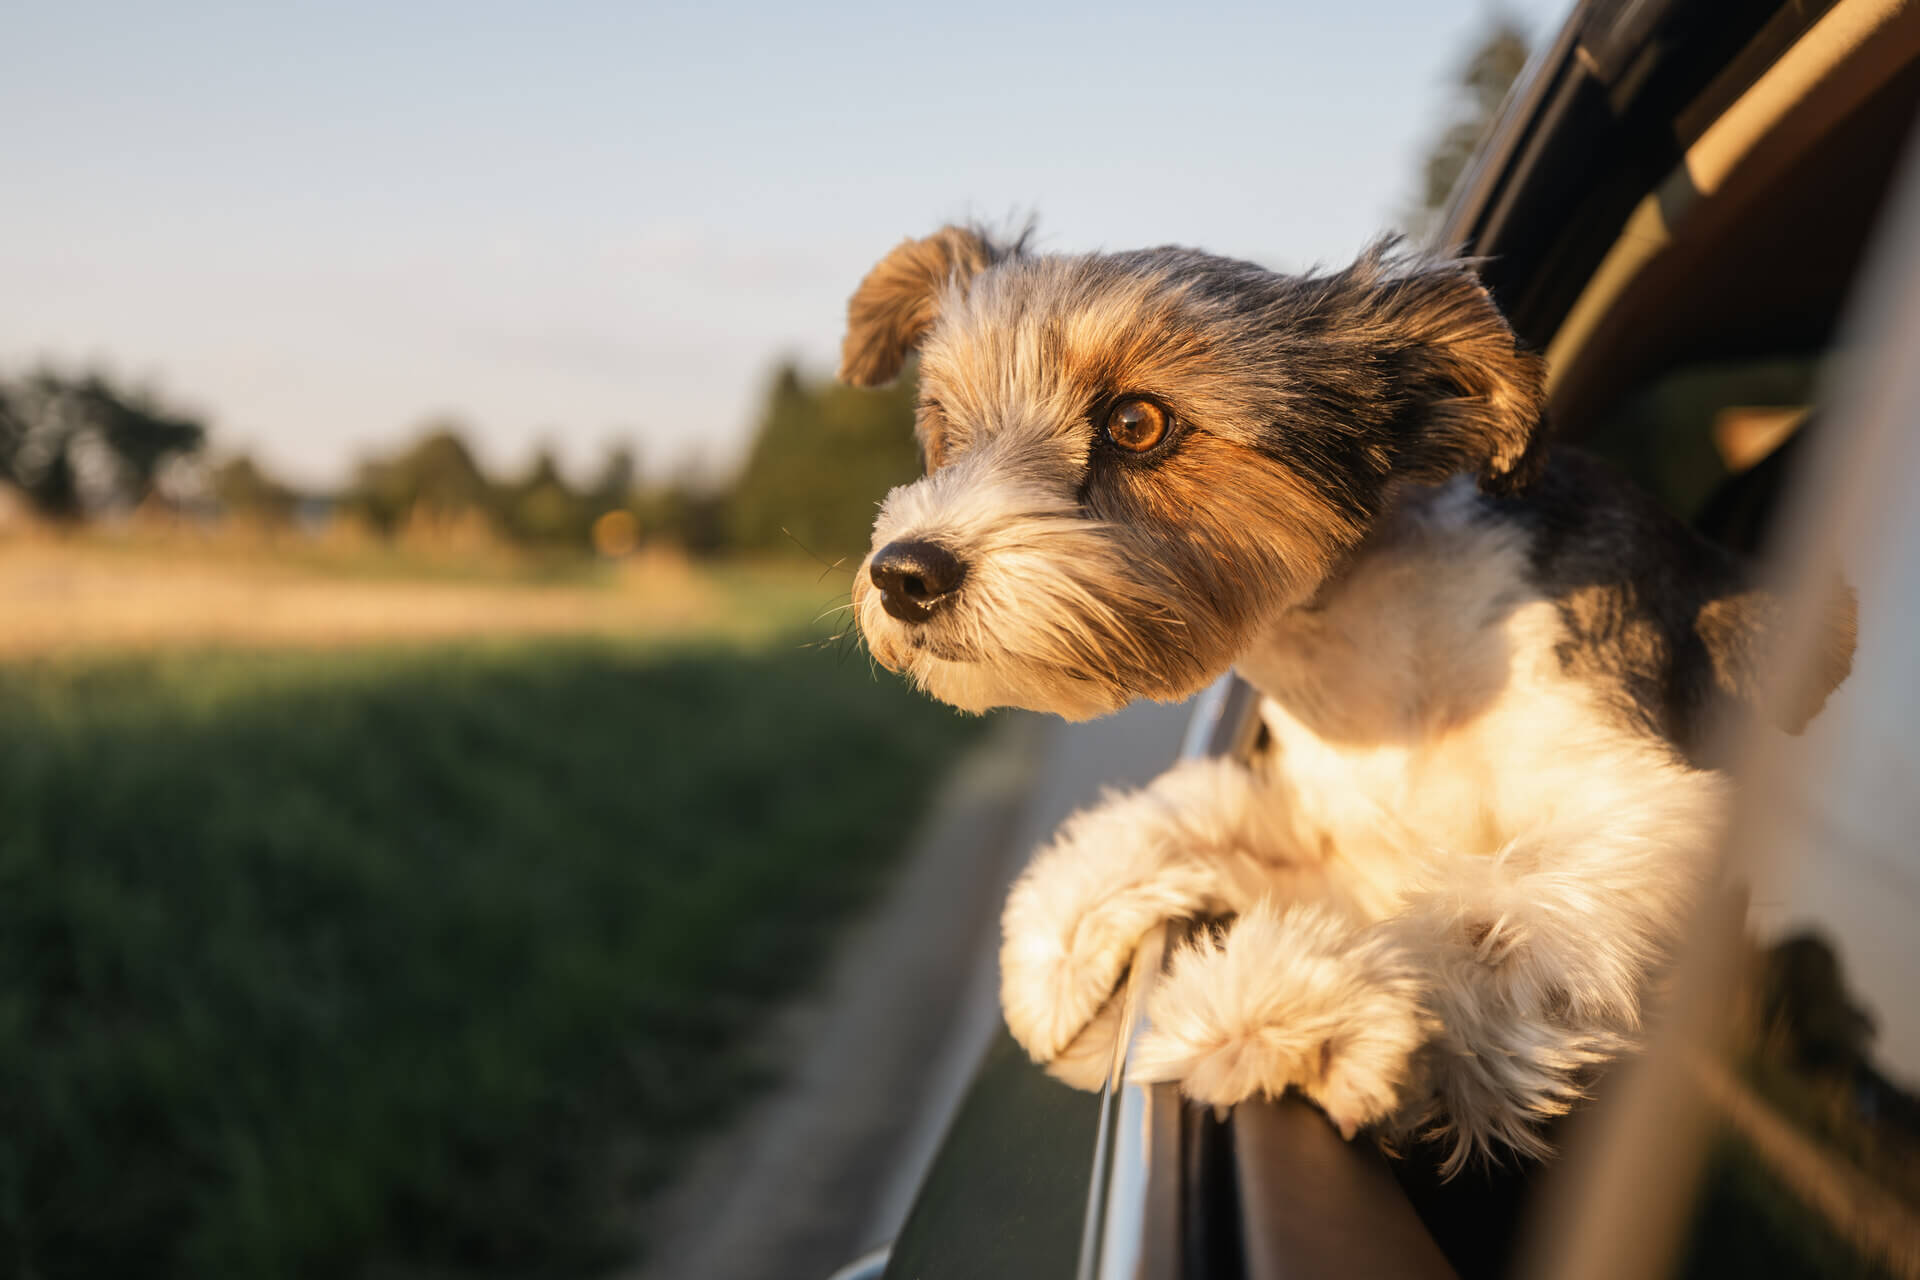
896, 304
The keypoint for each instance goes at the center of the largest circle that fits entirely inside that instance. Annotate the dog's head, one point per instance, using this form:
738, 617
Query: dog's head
1134, 460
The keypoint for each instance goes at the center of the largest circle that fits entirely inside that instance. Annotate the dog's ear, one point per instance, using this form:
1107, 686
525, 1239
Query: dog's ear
1466, 396
896, 304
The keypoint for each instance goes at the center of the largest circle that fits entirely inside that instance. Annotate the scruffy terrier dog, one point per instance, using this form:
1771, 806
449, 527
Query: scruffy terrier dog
1485, 673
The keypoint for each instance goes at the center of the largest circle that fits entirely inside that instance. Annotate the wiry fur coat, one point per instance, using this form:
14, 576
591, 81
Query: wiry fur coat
1489, 673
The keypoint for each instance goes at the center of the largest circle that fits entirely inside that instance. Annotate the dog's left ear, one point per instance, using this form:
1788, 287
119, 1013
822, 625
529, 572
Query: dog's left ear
1467, 397
897, 303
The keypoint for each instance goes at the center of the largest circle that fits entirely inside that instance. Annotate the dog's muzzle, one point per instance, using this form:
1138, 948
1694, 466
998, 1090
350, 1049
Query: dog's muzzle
915, 578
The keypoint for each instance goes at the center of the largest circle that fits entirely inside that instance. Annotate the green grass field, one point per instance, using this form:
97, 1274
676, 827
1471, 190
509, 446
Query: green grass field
421, 962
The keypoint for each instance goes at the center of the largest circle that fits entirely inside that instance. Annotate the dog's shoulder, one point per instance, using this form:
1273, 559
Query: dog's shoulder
1673, 627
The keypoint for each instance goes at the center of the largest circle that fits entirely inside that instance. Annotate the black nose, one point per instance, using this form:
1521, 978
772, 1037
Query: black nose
914, 577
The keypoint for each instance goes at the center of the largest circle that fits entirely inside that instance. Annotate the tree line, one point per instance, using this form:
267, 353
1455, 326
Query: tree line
81, 446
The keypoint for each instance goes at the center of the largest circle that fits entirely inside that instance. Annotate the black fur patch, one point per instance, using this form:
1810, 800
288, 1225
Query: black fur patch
1669, 623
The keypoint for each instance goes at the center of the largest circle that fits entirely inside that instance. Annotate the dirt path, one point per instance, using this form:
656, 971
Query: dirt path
825, 1166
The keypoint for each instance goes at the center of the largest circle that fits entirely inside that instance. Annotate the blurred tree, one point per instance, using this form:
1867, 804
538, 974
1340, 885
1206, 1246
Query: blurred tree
823, 457
617, 483
542, 509
1479, 87
436, 480
613, 504
688, 513
78, 444
241, 489
435, 488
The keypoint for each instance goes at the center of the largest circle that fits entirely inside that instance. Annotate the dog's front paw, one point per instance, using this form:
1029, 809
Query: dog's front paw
1076, 916
1062, 954
1299, 999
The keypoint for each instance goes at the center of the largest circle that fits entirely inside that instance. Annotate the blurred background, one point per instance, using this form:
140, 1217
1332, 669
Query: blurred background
445, 828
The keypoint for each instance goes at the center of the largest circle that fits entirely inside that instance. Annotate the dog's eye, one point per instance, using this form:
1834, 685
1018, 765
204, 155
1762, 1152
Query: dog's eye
1136, 425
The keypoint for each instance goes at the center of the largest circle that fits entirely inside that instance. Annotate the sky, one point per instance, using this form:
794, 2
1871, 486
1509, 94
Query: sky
578, 224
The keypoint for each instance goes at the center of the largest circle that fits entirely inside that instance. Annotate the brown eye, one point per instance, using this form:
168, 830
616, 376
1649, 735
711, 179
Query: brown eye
1136, 425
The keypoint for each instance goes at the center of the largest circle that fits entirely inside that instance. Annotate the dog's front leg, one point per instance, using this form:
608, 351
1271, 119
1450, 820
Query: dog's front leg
1176, 848
1540, 958
1480, 1005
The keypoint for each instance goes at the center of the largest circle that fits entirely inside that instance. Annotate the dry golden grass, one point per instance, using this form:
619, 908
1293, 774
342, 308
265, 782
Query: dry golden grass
95, 593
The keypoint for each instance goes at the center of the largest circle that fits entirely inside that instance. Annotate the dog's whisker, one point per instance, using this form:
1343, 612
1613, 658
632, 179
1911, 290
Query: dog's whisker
829, 566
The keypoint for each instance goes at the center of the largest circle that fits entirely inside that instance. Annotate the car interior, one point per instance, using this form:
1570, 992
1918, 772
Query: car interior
1693, 352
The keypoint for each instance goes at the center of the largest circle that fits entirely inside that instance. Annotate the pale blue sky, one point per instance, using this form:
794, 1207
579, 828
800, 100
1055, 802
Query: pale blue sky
581, 222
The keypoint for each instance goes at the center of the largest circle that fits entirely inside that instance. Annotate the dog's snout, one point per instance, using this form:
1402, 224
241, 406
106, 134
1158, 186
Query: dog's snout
914, 577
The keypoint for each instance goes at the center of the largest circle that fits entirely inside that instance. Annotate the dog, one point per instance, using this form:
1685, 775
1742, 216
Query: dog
1490, 671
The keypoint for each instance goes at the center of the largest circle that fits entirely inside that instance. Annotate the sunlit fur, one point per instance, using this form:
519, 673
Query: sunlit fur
1482, 818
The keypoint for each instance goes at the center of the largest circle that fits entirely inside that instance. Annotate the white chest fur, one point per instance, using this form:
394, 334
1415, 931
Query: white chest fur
1420, 712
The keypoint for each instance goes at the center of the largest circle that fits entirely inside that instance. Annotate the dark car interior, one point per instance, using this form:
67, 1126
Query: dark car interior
1688, 331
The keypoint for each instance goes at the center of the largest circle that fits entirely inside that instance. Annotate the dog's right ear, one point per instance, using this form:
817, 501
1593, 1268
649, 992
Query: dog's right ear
896, 304
1458, 393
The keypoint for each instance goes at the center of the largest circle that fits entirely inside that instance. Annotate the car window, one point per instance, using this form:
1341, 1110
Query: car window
1775, 1127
